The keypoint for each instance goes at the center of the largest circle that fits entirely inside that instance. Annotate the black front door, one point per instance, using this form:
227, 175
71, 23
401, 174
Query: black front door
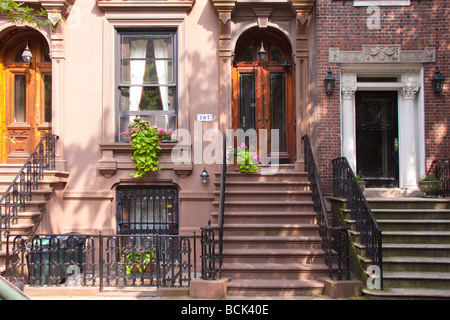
377, 137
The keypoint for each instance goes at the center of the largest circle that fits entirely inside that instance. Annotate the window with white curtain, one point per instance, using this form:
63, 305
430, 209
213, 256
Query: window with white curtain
147, 79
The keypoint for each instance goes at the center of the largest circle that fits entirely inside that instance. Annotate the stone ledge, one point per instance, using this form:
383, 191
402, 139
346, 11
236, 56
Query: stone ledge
341, 289
209, 289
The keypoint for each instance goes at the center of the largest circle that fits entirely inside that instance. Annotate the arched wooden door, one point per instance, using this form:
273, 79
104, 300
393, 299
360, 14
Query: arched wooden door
264, 93
26, 94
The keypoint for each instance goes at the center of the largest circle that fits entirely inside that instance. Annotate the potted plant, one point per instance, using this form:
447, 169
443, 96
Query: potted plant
246, 160
145, 140
360, 178
139, 260
430, 185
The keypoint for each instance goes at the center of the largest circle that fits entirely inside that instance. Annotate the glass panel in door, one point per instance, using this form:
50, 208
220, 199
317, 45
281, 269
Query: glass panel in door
278, 107
247, 100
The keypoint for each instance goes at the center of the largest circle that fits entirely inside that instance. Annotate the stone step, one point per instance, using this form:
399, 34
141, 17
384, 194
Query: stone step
243, 185
282, 271
407, 293
273, 256
415, 214
267, 206
266, 229
423, 280
417, 264
268, 287
413, 225
268, 217
414, 237
409, 203
418, 250
287, 176
272, 242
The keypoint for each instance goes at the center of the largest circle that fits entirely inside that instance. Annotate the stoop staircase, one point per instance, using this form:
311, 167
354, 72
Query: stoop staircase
29, 219
416, 247
271, 243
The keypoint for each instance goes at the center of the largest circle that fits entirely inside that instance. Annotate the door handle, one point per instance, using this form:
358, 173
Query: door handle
259, 121
243, 122
396, 144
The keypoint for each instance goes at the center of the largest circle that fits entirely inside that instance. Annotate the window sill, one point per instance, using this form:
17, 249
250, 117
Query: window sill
116, 157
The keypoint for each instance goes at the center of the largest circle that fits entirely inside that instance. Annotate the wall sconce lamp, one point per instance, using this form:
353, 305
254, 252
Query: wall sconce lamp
438, 81
329, 82
26, 55
204, 176
262, 54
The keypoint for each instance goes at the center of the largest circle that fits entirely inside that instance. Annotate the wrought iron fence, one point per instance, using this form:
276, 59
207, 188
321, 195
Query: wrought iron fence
101, 260
334, 239
440, 168
347, 187
20, 190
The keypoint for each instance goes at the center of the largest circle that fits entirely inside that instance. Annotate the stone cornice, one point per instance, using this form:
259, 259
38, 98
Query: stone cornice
134, 4
382, 54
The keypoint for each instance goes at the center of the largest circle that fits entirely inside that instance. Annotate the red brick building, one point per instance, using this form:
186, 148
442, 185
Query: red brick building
366, 43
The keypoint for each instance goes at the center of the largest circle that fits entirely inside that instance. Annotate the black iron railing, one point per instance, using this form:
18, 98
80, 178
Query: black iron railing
347, 187
101, 260
209, 240
20, 190
440, 168
335, 240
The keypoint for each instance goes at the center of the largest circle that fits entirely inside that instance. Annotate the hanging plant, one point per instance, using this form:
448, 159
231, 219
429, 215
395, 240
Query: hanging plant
145, 140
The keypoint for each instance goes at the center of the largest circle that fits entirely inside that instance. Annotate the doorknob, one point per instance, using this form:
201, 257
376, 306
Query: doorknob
259, 121
396, 144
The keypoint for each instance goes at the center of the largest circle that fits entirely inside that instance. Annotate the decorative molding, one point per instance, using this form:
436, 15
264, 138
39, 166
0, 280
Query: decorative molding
348, 92
365, 3
189, 231
196, 195
382, 54
151, 4
89, 194
410, 90
89, 230
262, 16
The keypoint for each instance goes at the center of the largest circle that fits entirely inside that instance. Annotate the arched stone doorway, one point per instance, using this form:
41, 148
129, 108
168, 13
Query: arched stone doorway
25, 91
264, 93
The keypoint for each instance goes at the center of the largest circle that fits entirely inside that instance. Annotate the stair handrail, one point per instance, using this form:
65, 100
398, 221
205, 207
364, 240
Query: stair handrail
223, 178
332, 237
208, 240
42, 158
440, 168
346, 186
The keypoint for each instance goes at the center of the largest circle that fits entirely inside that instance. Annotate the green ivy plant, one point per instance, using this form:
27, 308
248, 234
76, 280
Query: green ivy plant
145, 140
17, 12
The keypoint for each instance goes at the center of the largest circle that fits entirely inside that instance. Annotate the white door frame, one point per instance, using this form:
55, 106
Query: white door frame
411, 126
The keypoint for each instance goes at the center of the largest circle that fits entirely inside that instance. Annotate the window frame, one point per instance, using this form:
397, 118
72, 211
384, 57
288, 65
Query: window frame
118, 84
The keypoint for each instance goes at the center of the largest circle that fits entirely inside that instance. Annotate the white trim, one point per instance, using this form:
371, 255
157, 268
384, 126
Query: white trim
411, 124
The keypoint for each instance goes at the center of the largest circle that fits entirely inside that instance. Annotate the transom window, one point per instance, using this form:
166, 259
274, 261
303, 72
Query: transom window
147, 79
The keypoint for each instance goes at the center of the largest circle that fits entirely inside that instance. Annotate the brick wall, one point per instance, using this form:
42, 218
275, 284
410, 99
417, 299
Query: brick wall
424, 23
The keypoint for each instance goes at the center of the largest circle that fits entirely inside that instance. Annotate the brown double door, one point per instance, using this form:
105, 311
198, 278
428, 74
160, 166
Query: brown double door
263, 95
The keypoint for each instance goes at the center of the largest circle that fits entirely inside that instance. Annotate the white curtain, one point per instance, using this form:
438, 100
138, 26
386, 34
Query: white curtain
137, 72
162, 70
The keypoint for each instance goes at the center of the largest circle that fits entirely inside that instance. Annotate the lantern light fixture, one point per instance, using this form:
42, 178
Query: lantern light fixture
329, 82
26, 55
204, 176
438, 81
